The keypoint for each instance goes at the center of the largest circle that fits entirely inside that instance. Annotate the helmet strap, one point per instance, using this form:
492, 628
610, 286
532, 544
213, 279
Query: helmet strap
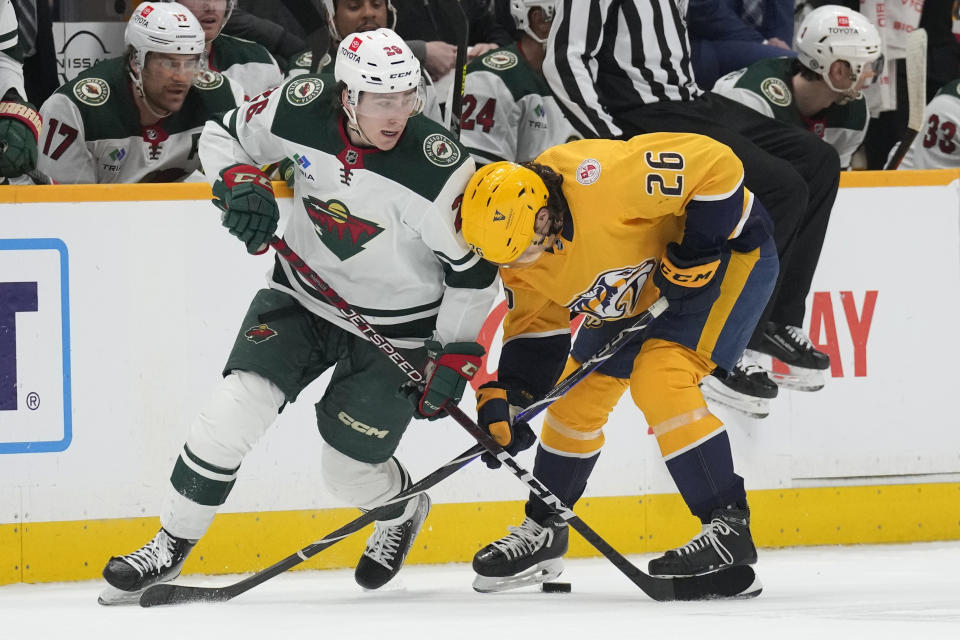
136, 77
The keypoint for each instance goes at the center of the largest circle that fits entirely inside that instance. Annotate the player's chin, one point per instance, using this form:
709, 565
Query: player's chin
388, 138
173, 101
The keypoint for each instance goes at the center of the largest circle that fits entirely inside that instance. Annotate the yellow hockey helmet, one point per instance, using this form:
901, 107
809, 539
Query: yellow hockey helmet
500, 206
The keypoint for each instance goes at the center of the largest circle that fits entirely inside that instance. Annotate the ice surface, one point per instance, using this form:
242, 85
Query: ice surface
815, 593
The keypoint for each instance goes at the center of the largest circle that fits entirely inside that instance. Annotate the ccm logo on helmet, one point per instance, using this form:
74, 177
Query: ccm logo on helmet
403, 74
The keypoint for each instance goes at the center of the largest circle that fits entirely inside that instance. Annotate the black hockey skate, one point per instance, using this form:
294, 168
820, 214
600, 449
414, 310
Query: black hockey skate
160, 560
389, 544
747, 388
724, 542
792, 347
529, 554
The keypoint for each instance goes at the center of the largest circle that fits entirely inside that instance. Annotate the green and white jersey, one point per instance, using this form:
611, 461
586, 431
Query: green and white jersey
767, 86
247, 64
508, 110
379, 226
300, 64
937, 145
92, 131
11, 69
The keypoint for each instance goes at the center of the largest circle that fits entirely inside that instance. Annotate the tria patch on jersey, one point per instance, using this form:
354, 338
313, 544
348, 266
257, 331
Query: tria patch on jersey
208, 79
614, 294
259, 333
777, 92
304, 91
441, 150
500, 60
588, 171
92, 91
340, 231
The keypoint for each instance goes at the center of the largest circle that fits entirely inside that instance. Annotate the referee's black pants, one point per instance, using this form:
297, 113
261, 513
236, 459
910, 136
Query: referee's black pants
792, 171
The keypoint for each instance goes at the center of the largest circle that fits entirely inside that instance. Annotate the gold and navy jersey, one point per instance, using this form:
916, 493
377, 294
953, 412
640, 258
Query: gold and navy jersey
627, 200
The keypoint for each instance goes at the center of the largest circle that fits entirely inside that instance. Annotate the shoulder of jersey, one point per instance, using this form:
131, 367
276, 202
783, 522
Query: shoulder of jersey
769, 78
209, 80
93, 87
951, 89
510, 66
304, 60
425, 138
307, 88
230, 50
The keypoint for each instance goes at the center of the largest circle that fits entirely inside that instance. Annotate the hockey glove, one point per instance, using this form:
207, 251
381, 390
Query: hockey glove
447, 372
494, 415
689, 284
19, 131
245, 196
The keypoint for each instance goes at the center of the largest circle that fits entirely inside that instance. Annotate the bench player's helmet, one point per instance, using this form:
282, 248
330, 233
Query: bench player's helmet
830, 33
330, 6
160, 27
499, 210
520, 10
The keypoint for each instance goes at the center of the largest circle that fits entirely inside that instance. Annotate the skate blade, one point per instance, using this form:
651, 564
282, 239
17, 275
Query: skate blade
542, 572
111, 596
799, 379
752, 407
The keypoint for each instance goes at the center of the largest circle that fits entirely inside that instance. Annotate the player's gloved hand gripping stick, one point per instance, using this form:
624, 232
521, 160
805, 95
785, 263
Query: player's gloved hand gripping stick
734, 582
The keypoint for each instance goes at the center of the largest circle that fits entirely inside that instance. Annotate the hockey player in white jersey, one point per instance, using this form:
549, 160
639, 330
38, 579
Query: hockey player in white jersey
136, 118
508, 110
19, 120
937, 146
246, 63
839, 53
376, 204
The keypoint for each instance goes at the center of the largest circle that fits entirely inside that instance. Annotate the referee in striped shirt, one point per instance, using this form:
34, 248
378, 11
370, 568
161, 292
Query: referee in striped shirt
619, 68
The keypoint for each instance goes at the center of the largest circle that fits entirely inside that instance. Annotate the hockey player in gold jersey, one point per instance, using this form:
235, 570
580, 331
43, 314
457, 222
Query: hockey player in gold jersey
602, 228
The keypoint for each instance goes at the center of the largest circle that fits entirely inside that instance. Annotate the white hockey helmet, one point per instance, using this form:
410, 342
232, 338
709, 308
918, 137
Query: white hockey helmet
376, 61
520, 10
330, 6
228, 7
830, 33
162, 27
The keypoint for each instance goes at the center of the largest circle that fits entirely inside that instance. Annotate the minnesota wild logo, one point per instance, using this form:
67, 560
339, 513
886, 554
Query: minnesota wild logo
259, 333
340, 231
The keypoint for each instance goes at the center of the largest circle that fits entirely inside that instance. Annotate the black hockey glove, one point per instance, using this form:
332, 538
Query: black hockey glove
494, 416
245, 196
449, 369
688, 283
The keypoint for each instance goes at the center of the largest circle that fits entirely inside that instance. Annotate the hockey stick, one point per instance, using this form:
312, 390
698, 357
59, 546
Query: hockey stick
166, 594
732, 582
460, 71
916, 58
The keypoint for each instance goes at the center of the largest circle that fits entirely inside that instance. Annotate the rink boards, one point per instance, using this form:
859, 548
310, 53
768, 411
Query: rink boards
118, 305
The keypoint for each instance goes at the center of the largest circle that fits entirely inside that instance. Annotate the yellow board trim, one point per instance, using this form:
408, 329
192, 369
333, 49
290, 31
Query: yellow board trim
246, 542
201, 190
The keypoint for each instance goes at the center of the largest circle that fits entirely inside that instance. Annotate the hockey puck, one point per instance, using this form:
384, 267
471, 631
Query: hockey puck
556, 587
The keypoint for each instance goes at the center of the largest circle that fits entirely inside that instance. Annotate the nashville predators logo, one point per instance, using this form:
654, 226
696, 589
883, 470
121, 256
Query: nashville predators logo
344, 234
259, 333
614, 294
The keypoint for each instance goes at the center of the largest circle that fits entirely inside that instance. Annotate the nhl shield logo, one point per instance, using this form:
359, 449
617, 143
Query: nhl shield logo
500, 60
92, 91
259, 333
441, 150
588, 171
777, 92
304, 91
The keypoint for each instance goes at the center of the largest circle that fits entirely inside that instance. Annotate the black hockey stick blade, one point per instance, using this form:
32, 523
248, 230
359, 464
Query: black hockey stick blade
735, 582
